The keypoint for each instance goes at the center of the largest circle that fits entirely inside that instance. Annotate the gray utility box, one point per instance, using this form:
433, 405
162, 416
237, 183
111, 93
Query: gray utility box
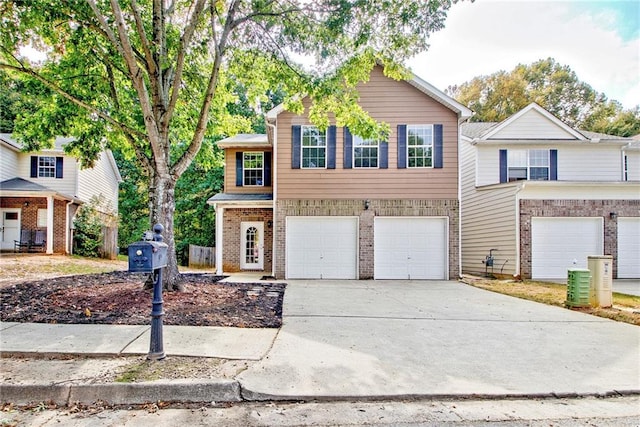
600, 289
145, 257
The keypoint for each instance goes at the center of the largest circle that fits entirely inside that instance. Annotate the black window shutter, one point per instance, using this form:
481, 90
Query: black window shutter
553, 165
402, 146
437, 146
348, 149
267, 169
503, 165
296, 136
59, 161
383, 153
331, 147
239, 169
34, 166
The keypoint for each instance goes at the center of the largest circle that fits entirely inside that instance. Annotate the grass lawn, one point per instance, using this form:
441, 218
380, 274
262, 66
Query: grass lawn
626, 308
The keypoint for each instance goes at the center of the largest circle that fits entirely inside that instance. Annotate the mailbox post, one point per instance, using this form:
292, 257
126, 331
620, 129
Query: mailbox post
151, 257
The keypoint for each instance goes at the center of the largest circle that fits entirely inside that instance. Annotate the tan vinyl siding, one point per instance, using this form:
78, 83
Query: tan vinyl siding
577, 161
488, 220
99, 180
532, 125
65, 185
230, 173
633, 165
8, 163
394, 103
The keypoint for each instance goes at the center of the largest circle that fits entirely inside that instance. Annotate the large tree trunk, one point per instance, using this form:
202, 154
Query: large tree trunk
163, 205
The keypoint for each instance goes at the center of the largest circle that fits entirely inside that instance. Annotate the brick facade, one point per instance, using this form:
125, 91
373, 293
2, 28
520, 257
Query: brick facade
400, 207
574, 208
232, 240
29, 217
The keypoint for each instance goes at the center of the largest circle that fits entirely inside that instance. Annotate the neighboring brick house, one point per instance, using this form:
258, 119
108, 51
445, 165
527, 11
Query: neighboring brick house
41, 192
302, 203
544, 196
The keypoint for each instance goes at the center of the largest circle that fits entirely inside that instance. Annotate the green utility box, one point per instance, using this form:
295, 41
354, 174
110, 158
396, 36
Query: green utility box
578, 288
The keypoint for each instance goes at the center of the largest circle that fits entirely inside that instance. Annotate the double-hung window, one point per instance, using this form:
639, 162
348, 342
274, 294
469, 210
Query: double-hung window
528, 164
314, 147
253, 169
46, 167
365, 152
419, 146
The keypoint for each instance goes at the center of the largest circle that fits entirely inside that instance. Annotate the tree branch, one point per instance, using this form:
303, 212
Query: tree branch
180, 58
24, 70
160, 154
196, 142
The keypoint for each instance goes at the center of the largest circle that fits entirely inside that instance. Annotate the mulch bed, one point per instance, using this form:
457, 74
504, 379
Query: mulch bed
118, 298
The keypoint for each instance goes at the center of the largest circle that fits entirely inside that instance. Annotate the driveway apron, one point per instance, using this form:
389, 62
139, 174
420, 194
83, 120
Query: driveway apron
345, 339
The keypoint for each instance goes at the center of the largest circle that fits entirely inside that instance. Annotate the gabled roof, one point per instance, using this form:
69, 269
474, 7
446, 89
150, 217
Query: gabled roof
58, 143
424, 87
533, 107
484, 132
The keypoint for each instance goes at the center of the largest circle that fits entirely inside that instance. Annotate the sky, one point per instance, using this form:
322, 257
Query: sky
598, 40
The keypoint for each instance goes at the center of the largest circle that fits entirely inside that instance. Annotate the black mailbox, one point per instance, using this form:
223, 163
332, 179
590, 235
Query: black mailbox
145, 257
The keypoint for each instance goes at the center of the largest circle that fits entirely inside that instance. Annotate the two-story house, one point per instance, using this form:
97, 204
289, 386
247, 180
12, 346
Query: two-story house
540, 197
40, 192
304, 203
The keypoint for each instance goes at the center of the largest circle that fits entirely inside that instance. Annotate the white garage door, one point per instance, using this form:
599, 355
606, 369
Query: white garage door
322, 247
558, 244
628, 248
410, 248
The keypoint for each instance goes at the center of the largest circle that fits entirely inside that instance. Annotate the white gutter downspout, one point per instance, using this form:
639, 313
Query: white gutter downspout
274, 168
49, 225
520, 188
67, 234
219, 225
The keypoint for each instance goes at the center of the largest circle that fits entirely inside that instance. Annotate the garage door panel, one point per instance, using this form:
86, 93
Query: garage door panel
322, 247
410, 248
628, 248
558, 244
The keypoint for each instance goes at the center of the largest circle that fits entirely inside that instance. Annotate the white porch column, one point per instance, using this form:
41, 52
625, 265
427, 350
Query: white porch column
219, 226
49, 224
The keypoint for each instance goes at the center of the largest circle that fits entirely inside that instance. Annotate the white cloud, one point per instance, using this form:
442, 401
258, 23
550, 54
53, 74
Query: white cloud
483, 37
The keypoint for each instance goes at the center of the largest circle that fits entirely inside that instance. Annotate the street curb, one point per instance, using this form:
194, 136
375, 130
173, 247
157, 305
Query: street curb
252, 396
190, 391
185, 391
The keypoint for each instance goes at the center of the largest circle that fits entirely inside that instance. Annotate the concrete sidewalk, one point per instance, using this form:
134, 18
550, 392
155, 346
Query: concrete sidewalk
362, 339
110, 340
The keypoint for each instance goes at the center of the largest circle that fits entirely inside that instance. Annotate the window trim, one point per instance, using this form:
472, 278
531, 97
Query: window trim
51, 168
302, 147
353, 151
245, 169
529, 166
432, 145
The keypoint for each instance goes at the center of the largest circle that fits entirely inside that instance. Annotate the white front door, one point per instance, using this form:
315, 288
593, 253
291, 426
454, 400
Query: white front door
10, 228
252, 245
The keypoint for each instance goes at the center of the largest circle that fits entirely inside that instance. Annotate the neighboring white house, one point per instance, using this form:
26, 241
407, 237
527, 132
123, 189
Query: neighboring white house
41, 191
544, 196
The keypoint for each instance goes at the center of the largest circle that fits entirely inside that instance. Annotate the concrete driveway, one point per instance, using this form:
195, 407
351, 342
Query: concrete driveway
438, 338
